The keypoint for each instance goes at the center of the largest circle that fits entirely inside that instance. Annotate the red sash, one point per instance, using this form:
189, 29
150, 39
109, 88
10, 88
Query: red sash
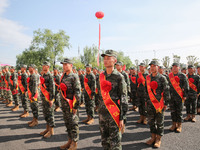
175, 85
30, 94
70, 102
134, 81
96, 91
110, 105
7, 86
21, 86
157, 105
192, 86
16, 88
142, 77
87, 88
45, 92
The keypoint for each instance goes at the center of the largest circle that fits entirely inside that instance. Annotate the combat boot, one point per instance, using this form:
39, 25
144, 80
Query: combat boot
152, 140
5, 101
31, 121
96, 109
34, 123
73, 146
187, 118
179, 127
15, 108
173, 127
193, 118
90, 121
141, 119
49, 133
198, 110
26, 114
82, 104
67, 145
57, 109
10, 104
45, 131
145, 120
86, 120
158, 141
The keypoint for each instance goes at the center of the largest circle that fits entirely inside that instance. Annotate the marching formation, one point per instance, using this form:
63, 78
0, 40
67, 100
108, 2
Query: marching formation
106, 92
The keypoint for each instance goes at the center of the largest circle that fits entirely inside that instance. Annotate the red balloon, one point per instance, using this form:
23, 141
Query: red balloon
99, 14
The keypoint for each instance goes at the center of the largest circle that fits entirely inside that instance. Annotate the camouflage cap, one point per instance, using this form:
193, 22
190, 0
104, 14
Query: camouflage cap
32, 66
110, 52
12, 67
88, 65
153, 62
198, 66
161, 67
46, 63
190, 66
79, 69
132, 68
184, 68
95, 68
142, 64
23, 66
176, 64
119, 63
67, 61
55, 68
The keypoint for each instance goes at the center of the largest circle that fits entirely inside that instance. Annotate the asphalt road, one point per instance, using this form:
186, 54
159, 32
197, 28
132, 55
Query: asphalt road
16, 135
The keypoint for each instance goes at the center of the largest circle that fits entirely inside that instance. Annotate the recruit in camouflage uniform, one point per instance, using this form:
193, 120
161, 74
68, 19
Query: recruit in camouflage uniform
14, 88
94, 70
89, 94
158, 93
57, 89
198, 100
178, 91
70, 97
32, 91
113, 104
3, 85
22, 81
119, 66
140, 81
47, 88
193, 93
133, 86
81, 78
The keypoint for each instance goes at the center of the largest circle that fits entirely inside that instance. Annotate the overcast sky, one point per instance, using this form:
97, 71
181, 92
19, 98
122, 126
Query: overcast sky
141, 29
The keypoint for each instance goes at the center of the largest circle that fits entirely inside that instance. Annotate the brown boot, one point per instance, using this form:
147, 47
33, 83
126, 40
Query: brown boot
179, 127
132, 108
96, 109
30, 122
193, 118
82, 105
141, 119
45, 131
145, 120
73, 146
49, 133
22, 114
187, 118
173, 127
86, 120
90, 121
26, 114
67, 145
10, 104
152, 140
15, 108
5, 101
158, 141
57, 109
198, 110
34, 123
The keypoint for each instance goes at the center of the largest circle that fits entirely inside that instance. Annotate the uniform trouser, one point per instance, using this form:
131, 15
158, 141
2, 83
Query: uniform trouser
110, 135
191, 104
89, 105
96, 99
155, 121
82, 97
35, 109
4, 93
16, 99
1, 93
71, 121
9, 95
133, 98
24, 100
198, 102
142, 107
57, 99
48, 112
176, 107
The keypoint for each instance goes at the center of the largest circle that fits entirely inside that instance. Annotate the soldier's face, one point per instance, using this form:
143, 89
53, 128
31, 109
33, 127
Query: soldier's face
55, 72
109, 61
183, 71
118, 67
30, 69
23, 69
175, 69
94, 71
88, 69
45, 68
12, 70
190, 70
132, 71
142, 68
160, 71
67, 67
154, 68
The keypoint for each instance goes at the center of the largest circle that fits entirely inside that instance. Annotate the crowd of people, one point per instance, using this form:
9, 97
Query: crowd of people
150, 91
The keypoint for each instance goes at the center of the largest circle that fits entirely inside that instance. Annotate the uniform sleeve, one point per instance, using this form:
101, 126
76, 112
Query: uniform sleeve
34, 88
14, 81
51, 87
77, 91
166, 93
25, 81
198, 84
185, 86
123, 100
93, 85
128, 84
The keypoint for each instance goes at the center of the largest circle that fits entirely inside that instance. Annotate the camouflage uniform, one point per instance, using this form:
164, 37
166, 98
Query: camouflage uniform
8, 91
73, 89
96, 92
33, 87
13, 87
89, 103
57, 93
4, 86
1, 85
198, 99
48, 111
175, 103
133, 90
81, 78
110, 135
191, 101
156, 119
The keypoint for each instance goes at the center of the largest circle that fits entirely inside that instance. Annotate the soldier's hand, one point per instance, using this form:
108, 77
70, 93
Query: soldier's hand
184, 98
121, 123
165, 107
145, 104
50, 103
92, 97
74, 111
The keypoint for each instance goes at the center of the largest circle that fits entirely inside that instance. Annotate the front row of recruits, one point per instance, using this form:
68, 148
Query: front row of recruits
151, 93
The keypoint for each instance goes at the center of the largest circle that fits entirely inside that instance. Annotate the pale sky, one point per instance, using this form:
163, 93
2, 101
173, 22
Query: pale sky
141, 29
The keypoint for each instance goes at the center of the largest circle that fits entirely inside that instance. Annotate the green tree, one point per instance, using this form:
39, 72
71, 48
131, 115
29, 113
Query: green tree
146, 62
176, 59
125, 59
166, 62
191, 60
